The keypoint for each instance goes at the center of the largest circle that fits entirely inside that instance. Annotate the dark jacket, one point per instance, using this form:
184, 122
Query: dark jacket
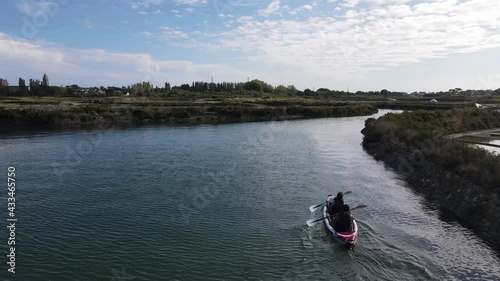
336, 206
344, 222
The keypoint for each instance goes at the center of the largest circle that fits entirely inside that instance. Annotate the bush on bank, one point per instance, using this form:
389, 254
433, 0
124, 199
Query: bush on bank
423, 134
65, 112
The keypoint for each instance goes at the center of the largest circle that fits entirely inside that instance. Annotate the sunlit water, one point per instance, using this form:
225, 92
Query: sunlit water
225, 202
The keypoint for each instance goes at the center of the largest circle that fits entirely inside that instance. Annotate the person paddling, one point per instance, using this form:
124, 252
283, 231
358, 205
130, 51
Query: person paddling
335, 205
343, 221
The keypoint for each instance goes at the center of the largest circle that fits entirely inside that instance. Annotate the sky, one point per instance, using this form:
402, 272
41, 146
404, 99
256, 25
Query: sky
399, 45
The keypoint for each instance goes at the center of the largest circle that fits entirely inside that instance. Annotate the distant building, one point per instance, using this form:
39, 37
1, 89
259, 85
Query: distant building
4, 82
433, 100
45, 80
84, 90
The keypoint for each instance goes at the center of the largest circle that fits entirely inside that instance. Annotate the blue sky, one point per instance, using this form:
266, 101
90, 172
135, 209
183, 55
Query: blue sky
400, 45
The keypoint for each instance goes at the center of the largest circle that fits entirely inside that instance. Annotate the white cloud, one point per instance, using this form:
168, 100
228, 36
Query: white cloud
20, 50
350, 3
191, 2
272, 8
100, 67
145, 3
368, 39
157, 12
87, 23
168, 33
343, 39
225, 15
301, 8
147, 34
244, 19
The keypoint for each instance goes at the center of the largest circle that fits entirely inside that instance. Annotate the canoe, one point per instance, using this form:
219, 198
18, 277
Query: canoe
348, 238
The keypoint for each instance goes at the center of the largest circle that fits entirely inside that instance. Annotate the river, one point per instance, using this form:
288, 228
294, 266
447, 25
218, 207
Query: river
221, 202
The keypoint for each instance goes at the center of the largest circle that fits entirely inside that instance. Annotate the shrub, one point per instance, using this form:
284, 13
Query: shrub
403, 132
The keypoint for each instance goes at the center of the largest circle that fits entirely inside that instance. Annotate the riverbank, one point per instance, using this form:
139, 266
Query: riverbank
51, 111
461, 177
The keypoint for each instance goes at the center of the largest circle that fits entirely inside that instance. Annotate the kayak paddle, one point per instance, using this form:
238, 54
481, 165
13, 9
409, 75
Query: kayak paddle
313, 207
313, 222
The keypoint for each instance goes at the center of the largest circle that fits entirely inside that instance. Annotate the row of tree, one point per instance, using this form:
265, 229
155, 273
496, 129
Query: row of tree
201, 87
145, 88
38, 88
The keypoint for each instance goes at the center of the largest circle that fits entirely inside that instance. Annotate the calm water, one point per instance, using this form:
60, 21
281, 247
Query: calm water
226, 202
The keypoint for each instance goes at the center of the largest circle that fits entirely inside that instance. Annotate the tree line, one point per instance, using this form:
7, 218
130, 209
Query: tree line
210, 87
254, 87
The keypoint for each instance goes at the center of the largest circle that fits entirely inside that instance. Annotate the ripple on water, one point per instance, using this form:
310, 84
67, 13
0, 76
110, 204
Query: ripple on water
190, 203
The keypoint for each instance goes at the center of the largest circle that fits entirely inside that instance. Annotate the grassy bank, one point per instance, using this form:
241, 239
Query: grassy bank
461, 178
136, 110
424, 132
